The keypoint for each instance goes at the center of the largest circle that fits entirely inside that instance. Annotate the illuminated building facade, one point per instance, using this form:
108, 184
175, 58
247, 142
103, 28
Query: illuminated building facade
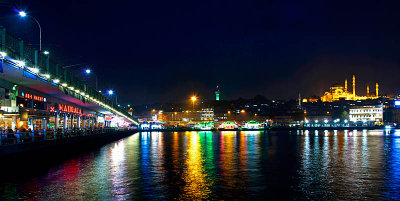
366, 113
340, 92
207, 114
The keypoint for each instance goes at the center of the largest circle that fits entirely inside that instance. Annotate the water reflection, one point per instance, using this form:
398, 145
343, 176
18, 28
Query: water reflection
197, 186
332, 165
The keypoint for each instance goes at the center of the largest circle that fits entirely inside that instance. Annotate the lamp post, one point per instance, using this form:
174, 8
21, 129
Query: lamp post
24, 14
193, 98
73, 65
87, 70
110, 93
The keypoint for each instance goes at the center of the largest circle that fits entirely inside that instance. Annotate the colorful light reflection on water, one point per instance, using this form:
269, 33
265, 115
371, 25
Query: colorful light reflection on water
226, 165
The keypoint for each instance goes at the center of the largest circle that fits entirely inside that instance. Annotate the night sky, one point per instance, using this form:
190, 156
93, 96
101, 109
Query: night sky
163, 51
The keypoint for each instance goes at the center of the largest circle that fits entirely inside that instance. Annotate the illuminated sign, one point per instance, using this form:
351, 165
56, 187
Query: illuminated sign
100, 119
33, 97
51, 109
397, 102
69, 109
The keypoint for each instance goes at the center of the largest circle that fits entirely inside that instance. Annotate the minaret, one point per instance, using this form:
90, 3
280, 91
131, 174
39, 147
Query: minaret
367, 90
217, 94
345, 85
354, 87
377, 90
299, 106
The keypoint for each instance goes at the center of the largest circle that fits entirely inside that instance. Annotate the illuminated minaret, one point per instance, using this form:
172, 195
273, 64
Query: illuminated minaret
217, 94
354, 87
377, 90
299, 105
367, 90
345, 85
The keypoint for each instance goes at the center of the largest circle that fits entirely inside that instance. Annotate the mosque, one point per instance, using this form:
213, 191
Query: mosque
338, 92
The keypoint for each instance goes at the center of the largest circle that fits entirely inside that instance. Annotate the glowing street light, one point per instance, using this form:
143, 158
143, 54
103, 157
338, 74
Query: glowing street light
193, 98
110, 93
46, 52
86, 70
23, 14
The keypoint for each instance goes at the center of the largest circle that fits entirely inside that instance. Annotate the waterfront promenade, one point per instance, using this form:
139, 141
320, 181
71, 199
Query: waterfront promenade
27, 143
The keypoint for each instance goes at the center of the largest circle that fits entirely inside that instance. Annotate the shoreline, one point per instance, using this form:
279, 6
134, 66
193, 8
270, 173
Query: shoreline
266, 129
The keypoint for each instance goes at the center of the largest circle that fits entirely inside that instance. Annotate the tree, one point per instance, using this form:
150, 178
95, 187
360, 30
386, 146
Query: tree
344, 115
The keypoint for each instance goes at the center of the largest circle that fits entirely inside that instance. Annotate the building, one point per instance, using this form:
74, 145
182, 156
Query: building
366, 113
340, 92
391, 112
207, 114
217, 94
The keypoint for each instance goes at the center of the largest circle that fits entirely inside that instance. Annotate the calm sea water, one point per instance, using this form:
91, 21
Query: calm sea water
225, 165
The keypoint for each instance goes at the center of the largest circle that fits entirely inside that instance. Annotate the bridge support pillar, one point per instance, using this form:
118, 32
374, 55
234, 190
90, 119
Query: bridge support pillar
72, 122
65, 124
44, 128
56, 122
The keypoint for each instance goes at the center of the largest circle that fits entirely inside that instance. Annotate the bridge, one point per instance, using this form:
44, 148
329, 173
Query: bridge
37, 92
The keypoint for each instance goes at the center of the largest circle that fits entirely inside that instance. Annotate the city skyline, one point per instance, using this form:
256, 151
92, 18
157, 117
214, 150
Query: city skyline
275, 49
209, 100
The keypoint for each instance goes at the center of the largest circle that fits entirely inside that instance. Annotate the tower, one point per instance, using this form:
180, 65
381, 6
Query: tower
217, 94
345, 85
354, 87
367, 90
377, 90
299, 104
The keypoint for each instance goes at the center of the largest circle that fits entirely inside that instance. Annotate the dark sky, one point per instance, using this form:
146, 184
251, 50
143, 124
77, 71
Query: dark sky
163, 51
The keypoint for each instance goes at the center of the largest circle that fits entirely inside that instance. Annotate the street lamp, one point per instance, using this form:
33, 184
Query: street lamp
24, 14
69, 66
110, 93
193, 98
86, 70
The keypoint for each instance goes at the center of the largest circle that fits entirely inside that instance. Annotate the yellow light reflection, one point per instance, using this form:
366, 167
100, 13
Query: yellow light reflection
197, 186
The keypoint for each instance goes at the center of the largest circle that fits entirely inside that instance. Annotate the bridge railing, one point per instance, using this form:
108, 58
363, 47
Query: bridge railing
52, 72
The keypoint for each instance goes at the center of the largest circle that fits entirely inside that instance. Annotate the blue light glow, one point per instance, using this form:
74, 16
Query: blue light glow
22, 13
